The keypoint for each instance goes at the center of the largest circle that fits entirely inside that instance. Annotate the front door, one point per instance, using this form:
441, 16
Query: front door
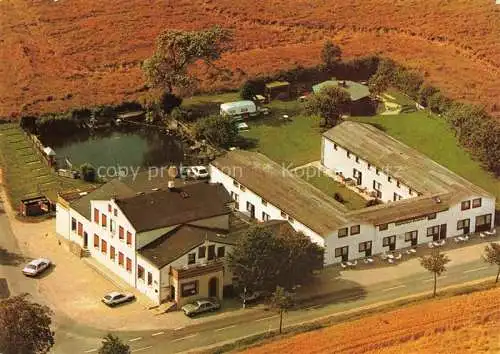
212, 287
85, 240
442, 232
172, 293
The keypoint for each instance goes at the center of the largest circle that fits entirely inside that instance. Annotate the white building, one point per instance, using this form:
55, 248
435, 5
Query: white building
423, 200
170, 244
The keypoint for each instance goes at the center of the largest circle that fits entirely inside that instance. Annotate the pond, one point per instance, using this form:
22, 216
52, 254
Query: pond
131, 147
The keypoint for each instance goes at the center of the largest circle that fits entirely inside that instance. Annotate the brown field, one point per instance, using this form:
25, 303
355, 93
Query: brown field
56, 55
462, 324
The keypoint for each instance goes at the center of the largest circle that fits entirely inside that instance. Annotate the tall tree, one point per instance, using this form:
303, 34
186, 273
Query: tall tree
282, 302
25, 326
492, 256
436, 264
267, 257
177, 50
330, 103
330, 55
113, 345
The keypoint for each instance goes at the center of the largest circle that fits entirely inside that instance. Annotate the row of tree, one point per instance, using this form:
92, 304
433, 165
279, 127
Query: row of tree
475, 129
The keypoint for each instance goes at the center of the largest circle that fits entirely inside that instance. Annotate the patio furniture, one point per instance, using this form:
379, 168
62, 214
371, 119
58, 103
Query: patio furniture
365, 260
430, 244
458, 239
466, 238
413, 250
390, 260
442, 243
483, 235
383, 256
390, 256
354, 264
348, 263
369, 259
398, 257
408, 252
343, 265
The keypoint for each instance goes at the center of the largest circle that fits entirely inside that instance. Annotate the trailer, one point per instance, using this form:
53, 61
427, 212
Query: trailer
239, 109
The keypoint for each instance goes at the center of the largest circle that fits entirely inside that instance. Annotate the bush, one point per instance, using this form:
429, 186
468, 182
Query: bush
219, 130
373, 202
88, 172
425, 92
169, 101
338, 197
247, 91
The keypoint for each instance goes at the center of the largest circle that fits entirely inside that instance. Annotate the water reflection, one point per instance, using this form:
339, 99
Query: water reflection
125, 146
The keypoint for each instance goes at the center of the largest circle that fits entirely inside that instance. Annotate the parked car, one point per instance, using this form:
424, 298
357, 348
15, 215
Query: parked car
201, 306
36, 267
199, 172
115, 298
186, 172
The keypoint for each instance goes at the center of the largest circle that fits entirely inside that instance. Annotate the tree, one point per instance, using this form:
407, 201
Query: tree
218, 130
492, 256
169, 101
247, 91
330, 103
425, 93
436, 264
270, 256
330, 55
88, 172
25, 326
281, 301
177, 50
113, 345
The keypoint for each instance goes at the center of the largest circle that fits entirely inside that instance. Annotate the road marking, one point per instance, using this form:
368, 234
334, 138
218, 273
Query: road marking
157, 334
265, 318
135, 339
186, 337
90, 350
223, 328
432, 279
179, 328
141, 349
395, 287
475, 270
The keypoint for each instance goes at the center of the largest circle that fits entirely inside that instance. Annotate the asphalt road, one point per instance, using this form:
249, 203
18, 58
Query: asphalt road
74, 338
221, 330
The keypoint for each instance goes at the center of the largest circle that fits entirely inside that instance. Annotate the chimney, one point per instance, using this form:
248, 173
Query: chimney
171, 185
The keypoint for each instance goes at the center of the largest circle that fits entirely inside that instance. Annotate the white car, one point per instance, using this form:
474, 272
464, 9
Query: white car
115, 298
199, 172
36, 267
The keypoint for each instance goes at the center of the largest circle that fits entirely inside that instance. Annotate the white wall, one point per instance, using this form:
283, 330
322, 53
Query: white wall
337, 160
63, 221
217, 176
152, 291
369, 232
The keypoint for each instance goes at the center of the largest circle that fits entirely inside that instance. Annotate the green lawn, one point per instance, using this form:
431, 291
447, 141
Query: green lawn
329, 186
293, 142
23, 171
431, 136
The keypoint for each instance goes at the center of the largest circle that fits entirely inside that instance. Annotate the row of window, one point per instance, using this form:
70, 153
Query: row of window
208, 252
141, 275
354, 230
369, 167
103, 220
122, 262
250, 208
476, 203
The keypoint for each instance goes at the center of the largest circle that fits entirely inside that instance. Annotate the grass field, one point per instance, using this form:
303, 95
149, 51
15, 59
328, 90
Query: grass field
23, 172
328, 186
461, 324
61, 54
430, 135
292, 142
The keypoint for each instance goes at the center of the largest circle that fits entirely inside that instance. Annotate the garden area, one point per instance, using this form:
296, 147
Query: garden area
23, 172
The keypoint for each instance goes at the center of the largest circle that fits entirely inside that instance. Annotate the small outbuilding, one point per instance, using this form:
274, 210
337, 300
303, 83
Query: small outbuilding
37, 206
361, 103
50, 155
278, 89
